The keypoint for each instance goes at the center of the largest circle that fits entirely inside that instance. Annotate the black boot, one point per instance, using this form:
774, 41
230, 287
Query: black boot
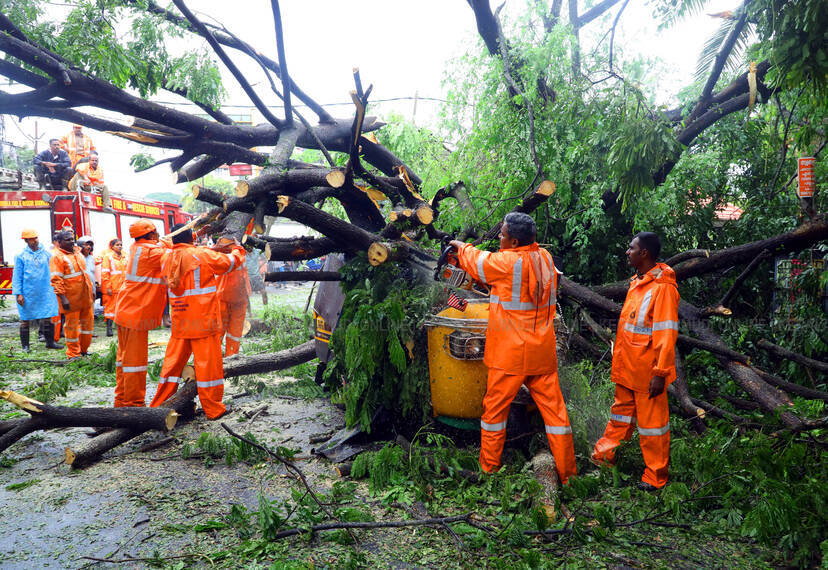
24, 339
41, 331
109, 327
50, 336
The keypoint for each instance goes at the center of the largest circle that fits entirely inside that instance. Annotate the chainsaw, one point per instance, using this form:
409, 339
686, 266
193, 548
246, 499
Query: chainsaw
448, 270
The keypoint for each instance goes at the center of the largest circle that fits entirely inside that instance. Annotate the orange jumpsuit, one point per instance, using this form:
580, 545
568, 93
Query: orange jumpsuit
96, 177
520, 347
644, 347
113, 273
191, 273
138, 308
76, 147
69, 277
234, 288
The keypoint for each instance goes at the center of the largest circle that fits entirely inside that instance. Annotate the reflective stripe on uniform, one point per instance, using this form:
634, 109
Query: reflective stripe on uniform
620, 418
638, 330
493, 427
232, 262
665, 325
210, 383
190, 292
480, 260
517, 284
653, 431
133, 274
231, 337
642, 309
75, 274
170, 380
134, 369
72, 339
558, 430
117, 363
87, 332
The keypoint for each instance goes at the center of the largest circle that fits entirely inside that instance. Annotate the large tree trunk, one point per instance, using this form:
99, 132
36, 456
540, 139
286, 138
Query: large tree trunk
240, 365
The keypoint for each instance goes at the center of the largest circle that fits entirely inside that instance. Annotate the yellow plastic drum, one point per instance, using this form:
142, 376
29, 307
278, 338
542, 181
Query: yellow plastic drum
455, 361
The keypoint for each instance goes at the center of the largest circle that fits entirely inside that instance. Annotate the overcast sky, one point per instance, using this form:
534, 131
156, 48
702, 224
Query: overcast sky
402, 48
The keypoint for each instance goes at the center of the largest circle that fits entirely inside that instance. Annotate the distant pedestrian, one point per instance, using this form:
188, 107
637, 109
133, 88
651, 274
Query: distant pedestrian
113, 272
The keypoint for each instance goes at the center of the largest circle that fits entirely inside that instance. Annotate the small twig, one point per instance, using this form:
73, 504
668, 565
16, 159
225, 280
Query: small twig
388, 524
156, 444
292, 468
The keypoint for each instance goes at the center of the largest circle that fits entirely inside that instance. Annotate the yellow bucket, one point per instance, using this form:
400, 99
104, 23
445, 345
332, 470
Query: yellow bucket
455, 361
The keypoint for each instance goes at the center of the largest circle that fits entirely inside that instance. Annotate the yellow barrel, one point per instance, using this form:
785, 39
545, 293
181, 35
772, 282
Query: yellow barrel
456, 369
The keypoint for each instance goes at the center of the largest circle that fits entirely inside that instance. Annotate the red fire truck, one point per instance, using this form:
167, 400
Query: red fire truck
23, 205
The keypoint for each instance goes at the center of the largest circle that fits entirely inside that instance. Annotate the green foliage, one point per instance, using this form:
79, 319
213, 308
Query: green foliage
232, 450
193, 206
22, 485
379, 352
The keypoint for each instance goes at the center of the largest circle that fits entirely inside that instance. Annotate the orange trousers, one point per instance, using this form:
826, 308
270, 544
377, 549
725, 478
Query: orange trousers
56, 322
108, 303
501, 389
131, 368
209, 371
653, 418
78, 331
232, 321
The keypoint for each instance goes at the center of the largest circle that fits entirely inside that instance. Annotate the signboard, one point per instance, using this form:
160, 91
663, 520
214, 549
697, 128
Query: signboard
806, 177
241, 170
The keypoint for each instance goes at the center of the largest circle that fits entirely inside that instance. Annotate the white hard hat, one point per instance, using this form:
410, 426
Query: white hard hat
83, 239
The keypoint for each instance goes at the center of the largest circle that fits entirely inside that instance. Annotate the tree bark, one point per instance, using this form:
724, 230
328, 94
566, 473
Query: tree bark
276, 276
261, 363
89, 452
681, 392
786, 354
300, 249
791, 388
48, 417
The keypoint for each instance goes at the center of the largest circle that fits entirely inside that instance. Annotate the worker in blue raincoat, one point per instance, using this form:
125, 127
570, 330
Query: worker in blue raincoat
32, 289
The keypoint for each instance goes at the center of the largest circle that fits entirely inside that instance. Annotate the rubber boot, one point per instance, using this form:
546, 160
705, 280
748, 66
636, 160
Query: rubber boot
24, 339
50, 336
41, 331
109, 327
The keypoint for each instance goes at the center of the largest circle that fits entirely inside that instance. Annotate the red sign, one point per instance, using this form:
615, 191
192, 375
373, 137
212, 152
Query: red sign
67, 224
806, 177
241, 170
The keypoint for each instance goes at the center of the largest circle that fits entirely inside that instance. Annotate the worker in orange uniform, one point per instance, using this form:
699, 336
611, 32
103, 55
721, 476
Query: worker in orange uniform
520, 339
113, 273
195, 307
138, 308
77, 144
90, 176
76, 293
234, 289
643, 363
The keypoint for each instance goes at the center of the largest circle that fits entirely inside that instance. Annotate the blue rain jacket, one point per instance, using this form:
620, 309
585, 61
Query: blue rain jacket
31, 278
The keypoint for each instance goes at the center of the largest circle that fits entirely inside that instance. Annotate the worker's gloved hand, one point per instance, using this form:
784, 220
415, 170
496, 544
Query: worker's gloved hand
656, 386
456, 244
20, 300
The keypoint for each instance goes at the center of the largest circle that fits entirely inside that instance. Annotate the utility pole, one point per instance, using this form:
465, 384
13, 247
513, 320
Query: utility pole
414, 112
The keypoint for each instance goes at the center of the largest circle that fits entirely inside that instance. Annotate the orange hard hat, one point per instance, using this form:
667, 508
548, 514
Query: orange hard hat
28, 234
141, 228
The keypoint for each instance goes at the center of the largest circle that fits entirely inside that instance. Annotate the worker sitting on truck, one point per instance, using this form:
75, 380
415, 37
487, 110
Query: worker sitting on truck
520, 339
90, 177
191, 273
53, 167
32, 288
76, 292
77, 144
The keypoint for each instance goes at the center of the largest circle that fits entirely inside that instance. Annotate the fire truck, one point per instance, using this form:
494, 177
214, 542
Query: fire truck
24, 205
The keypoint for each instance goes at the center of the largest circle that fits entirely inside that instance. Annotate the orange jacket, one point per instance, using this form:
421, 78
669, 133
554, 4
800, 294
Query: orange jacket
192, 274
76, 148
113, 271
520, 338
143, 297
647, 331
69, 277
96, 177
234, 287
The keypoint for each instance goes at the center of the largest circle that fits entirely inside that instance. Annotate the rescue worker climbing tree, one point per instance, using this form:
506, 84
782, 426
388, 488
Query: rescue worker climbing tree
192, 276
113, 271
138, 309
520, 339
643, 363
76, 292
